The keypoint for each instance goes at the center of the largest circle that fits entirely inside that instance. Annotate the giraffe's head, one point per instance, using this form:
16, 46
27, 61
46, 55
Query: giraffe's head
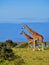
22, 32
24, 26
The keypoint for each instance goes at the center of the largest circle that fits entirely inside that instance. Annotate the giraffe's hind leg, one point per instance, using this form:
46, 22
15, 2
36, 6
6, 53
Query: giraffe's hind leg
39, 49
28, 44
42, 46
34, 46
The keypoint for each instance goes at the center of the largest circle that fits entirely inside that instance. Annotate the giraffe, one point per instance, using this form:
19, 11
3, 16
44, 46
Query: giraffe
35, 35
29, 38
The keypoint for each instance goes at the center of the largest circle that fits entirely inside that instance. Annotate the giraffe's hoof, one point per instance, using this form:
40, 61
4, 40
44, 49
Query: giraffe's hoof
42, 49
39, 49
33, 49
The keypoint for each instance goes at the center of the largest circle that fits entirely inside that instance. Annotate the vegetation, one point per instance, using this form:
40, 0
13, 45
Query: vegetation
7, 56
11, 43
33, 57
6, 53
10, 55
24, 45
26, 56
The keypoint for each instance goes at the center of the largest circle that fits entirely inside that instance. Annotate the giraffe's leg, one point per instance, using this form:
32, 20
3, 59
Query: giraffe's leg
34, 45
42, 46
28, 44
39, 49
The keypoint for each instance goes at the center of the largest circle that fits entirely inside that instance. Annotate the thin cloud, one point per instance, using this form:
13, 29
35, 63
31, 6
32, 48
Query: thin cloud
21, 20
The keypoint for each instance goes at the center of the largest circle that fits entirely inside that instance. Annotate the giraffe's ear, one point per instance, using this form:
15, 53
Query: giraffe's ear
23, 27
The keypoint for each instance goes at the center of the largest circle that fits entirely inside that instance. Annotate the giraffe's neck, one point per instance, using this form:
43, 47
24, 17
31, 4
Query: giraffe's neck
27, 36
30, 30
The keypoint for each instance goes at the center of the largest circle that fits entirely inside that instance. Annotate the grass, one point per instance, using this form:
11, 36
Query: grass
26, 56
33, 58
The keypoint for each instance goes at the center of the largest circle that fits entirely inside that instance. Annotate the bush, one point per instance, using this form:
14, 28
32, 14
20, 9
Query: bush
6, 53
23, 45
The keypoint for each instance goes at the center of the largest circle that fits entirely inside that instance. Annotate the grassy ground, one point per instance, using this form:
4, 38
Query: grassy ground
25, 56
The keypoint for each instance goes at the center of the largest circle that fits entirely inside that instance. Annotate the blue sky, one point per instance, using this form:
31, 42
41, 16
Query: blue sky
17, 11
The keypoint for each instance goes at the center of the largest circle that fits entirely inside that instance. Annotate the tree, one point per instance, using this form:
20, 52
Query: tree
10, 43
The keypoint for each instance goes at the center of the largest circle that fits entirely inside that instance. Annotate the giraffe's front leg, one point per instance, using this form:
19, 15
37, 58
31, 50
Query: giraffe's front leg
34, 45
42, 46
39, 49
28, 44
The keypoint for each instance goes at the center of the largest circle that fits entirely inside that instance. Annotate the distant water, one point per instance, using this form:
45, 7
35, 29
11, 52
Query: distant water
12, 31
